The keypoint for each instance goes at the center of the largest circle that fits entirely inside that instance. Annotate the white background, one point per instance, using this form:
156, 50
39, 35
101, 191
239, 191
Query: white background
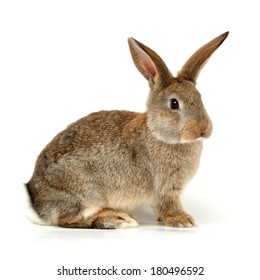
60, 60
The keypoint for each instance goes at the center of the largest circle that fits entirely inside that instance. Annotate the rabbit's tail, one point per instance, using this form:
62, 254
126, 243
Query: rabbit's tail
31, 214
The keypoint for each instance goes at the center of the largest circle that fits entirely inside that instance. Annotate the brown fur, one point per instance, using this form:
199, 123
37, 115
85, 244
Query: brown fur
111, 161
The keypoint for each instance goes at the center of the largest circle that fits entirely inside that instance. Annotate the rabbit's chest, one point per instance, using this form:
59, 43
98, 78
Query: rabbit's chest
173, 168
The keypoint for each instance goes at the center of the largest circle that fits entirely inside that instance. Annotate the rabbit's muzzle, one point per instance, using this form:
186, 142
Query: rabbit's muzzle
196, 129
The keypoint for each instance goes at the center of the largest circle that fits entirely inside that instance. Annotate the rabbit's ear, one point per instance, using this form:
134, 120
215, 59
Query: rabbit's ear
149, 63
195, 63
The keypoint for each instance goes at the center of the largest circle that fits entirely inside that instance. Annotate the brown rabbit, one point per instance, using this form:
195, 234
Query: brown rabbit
112, 161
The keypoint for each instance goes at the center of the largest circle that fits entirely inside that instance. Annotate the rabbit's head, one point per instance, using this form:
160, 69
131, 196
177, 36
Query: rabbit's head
175, 110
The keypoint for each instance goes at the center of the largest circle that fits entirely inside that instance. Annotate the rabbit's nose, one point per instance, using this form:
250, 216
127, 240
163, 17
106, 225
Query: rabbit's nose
205, 128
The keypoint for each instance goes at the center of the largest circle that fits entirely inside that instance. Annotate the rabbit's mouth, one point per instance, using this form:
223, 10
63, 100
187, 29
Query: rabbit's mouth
196, 130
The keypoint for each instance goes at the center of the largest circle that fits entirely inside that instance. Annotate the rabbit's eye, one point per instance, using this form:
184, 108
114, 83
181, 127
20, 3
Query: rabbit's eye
174, 104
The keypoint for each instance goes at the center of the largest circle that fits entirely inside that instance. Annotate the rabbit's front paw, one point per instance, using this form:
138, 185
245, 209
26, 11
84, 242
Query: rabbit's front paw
181, 220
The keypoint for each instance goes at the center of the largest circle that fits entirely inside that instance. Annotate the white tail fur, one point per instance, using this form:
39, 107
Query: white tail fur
31, 214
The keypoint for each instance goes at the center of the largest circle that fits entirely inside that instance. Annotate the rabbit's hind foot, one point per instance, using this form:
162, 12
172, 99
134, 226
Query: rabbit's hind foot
112, 219
102, 219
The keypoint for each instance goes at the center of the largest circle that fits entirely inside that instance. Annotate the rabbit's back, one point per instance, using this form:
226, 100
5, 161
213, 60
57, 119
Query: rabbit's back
91, 133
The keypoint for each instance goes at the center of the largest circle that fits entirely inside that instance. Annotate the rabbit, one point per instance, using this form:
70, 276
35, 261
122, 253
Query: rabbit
110, 162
